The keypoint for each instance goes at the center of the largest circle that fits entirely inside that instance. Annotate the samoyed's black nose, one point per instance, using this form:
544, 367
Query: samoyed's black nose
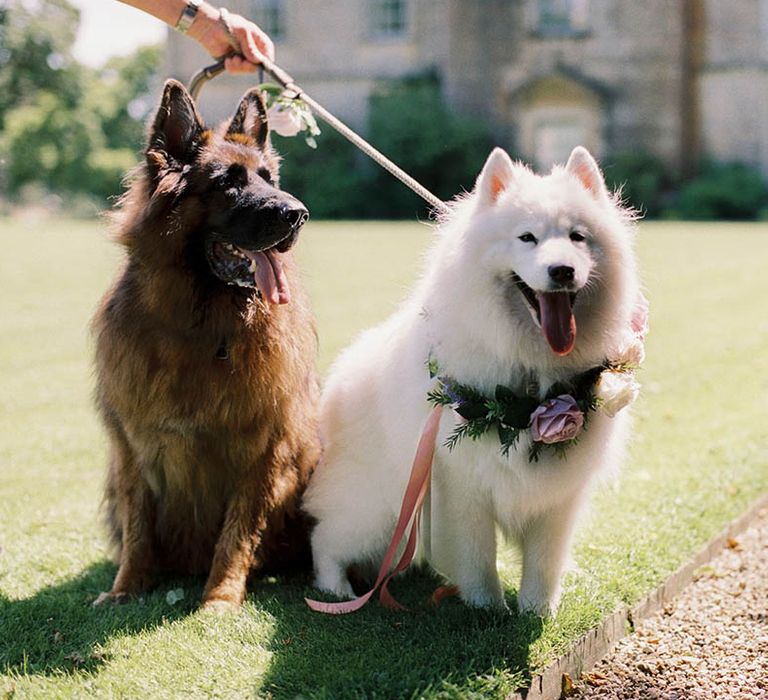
561, 274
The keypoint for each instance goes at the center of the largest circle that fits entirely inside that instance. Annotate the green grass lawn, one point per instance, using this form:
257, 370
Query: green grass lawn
699, 458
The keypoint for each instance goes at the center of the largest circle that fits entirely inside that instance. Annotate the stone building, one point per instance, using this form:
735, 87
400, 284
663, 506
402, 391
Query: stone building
681, 79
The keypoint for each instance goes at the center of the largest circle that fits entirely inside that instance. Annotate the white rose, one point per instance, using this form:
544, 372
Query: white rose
630, 349
284, 120
616, 390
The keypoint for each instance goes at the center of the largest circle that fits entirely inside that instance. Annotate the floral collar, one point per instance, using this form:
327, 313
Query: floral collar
556, 422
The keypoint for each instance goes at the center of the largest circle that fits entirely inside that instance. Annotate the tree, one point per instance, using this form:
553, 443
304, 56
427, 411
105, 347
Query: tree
123, 94
62, 125
36, 39
411, 124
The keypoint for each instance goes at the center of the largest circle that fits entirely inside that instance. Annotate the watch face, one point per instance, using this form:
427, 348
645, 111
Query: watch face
187, 16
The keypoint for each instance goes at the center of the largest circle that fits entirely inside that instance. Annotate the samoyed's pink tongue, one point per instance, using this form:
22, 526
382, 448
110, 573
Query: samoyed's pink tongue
270, 278
557, 321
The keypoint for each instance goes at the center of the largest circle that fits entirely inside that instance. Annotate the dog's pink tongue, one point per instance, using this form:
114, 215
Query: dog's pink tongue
270, 278
557, 321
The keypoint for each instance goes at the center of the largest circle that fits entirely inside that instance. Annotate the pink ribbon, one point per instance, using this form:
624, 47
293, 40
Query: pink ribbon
413, 500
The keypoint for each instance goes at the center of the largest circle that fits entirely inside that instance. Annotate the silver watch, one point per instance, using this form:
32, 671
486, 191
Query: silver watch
188, 16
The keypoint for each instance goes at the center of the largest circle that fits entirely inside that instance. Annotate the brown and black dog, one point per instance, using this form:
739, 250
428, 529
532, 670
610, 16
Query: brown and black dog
205, 352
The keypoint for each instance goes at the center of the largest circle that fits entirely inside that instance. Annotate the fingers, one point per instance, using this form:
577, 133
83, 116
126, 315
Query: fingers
212, 31
254, 43
237, 64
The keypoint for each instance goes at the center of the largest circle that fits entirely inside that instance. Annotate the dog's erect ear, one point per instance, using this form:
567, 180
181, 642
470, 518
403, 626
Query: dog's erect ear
585, 168
251, 117
176, 129
496, 176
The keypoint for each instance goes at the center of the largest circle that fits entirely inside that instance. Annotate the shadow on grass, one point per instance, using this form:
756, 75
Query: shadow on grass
451, 651
58, 629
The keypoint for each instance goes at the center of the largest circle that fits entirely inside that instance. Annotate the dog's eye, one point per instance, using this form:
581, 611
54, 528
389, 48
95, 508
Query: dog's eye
577, 237
265, 175
528, 237
237, 176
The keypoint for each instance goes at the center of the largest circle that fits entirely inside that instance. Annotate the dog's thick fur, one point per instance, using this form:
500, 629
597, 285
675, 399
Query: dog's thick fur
207, 389
468, 313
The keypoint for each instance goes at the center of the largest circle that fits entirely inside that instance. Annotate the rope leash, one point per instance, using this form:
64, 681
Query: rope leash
288, 83
418, 486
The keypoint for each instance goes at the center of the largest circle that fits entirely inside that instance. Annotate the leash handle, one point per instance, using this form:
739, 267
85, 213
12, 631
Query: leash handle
287, 82
204, 75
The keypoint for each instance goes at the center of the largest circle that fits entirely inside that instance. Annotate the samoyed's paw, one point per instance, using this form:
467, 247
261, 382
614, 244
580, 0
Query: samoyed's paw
332, 578
342, 588
484, 597
537, 603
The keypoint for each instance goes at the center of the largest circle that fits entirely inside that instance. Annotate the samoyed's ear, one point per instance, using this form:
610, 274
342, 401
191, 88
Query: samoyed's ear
583, 166
497, 174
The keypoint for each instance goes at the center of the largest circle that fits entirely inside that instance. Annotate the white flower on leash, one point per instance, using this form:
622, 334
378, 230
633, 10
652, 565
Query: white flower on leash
616, 390
284, 120
288, 114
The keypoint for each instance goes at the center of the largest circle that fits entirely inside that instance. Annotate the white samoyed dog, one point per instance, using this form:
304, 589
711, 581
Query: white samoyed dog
531, 285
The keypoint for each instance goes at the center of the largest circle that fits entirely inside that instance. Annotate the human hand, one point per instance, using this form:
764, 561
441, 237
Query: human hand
212, 34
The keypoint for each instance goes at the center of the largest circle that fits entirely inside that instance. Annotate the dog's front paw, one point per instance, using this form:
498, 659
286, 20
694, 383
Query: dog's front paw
540, 605
110, 598
482, 597
220, 606
341, 588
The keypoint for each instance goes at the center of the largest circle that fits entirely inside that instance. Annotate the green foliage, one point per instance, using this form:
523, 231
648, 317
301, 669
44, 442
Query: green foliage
507, 412
64, 127
645, 182
328, 179
728, 191
411, 124
36, 52
106, 171
49, 143
122, 96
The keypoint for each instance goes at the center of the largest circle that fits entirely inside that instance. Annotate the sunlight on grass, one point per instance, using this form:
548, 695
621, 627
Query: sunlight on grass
698, 458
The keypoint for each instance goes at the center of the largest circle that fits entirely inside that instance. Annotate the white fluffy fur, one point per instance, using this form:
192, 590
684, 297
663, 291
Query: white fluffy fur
468, 315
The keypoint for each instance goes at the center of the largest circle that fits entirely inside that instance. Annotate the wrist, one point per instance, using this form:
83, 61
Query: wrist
205, 29
188, 16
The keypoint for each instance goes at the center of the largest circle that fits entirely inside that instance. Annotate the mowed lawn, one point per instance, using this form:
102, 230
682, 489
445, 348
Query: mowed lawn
698, 459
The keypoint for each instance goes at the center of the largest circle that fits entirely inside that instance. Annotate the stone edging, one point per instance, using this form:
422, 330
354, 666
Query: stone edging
600, 640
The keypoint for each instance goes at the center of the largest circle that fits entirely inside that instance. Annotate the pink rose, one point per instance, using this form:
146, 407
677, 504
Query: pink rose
640, 316
557, 420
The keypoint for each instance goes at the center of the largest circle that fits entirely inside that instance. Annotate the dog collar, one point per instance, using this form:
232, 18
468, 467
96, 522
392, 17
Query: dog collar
553, 423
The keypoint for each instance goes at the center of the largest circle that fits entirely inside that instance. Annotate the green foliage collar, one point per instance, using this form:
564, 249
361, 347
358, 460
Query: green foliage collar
554, 423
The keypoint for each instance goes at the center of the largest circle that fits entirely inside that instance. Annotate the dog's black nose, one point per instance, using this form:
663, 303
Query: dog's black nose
561, 274
295, 216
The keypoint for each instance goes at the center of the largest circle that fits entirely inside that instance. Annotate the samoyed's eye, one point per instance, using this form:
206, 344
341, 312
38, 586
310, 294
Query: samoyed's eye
577, 237
528, 237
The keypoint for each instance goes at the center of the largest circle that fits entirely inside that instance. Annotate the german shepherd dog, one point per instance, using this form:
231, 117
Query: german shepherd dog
205, 351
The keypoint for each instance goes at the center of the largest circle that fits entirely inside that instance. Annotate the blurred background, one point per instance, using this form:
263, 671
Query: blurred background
670, 95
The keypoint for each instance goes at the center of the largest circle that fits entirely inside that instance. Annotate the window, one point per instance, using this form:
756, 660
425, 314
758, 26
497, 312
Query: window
389, 18
270, 16
562, 17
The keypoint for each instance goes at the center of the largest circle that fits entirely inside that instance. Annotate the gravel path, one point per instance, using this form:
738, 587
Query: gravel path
710, 643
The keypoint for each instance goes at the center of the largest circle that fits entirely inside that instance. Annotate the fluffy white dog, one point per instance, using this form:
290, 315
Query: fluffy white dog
525, 308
